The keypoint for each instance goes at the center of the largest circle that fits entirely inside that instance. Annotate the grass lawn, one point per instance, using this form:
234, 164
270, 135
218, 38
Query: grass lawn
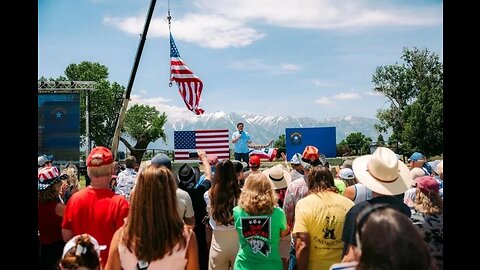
82, 181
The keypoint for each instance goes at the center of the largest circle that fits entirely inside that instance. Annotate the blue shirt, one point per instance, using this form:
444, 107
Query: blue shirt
241, 146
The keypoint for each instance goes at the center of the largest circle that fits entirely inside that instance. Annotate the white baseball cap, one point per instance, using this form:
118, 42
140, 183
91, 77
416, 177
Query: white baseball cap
81, 249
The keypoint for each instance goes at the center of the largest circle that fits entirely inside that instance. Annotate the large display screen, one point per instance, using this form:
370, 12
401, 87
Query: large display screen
59, 126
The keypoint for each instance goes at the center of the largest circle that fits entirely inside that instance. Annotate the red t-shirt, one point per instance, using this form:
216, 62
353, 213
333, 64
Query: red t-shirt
98, 212
49, 223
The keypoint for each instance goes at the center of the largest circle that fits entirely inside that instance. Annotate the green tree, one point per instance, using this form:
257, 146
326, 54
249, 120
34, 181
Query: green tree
380, 140
280, 144
144, 124
104, 102
343, 149
358, 142
415, 93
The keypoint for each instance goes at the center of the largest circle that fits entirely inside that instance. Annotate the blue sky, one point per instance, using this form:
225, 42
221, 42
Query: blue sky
311, 58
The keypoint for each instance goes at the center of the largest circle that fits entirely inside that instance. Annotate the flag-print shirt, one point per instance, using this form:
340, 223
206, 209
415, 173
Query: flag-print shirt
296, 190
126, 181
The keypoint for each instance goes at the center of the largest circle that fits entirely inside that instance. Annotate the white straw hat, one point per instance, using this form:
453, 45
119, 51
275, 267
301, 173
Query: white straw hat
280, 177
382, 172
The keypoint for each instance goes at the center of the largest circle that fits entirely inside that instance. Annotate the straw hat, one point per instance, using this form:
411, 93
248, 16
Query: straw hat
279, 177
382, 172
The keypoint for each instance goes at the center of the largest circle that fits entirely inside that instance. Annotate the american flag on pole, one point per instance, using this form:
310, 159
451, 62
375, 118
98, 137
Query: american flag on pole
213, 141
189, 85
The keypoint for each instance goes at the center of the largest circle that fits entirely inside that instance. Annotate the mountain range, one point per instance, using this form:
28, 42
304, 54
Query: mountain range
263, 128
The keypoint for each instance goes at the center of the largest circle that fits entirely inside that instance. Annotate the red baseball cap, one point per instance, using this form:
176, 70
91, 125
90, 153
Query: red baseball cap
427, 184
99, 156
254, 161
310, 153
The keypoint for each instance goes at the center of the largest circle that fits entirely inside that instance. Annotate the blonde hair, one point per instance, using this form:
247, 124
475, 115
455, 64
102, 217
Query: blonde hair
72, 179
258, 195
104, 170
144, 164
428, 204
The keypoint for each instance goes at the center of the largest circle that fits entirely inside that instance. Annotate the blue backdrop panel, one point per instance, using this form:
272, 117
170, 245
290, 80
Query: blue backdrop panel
323, 138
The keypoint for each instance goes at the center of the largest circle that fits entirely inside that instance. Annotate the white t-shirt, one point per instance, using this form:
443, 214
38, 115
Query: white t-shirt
184, 204
212, 221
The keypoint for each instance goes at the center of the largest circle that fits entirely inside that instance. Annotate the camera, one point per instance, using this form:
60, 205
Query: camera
193, 154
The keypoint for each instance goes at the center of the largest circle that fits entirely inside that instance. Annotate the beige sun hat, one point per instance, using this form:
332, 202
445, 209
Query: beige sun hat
382, 172
279, 177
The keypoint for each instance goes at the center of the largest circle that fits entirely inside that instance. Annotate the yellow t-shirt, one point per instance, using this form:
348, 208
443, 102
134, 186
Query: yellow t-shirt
322, 215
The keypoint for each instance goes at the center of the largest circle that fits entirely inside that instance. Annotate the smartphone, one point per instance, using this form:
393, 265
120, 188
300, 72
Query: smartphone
193, 154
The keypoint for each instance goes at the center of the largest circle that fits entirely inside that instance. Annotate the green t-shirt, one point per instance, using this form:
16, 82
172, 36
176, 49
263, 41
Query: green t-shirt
259, 238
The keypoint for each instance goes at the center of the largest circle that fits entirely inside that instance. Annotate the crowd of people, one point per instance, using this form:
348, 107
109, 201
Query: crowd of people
372, 212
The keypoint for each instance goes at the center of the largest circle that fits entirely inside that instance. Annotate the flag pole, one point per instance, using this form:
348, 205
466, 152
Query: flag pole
126, 99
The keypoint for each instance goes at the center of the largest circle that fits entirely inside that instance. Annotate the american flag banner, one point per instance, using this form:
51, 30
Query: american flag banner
189, 85
215, 141
264, 153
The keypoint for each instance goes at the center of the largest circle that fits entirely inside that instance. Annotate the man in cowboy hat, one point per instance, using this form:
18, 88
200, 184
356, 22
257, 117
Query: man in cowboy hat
386, 176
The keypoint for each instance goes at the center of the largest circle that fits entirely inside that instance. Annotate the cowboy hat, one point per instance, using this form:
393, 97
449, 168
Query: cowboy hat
187, 176
279, 177
382, 172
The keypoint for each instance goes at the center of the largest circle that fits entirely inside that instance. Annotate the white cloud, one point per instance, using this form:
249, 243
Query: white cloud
373, 93
325, 101
321, 83
259, 65
324, 14
225, 23
347, 96
161, 104
211, 31
290, 67
249, 64
143, 91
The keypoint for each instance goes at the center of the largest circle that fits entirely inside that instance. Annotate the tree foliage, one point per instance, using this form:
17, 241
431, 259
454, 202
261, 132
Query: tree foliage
280, 143
380, 140
343, 149
144, 124
104, 102
414, 90
355, 143
359, 142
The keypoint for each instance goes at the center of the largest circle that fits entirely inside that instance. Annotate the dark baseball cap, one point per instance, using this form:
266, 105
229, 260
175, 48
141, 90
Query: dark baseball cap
162, 159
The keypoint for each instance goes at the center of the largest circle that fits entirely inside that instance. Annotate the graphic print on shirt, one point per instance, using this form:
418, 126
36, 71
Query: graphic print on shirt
329, 230
256, 231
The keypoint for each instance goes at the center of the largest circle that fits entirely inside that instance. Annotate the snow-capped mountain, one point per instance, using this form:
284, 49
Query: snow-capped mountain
265, 128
